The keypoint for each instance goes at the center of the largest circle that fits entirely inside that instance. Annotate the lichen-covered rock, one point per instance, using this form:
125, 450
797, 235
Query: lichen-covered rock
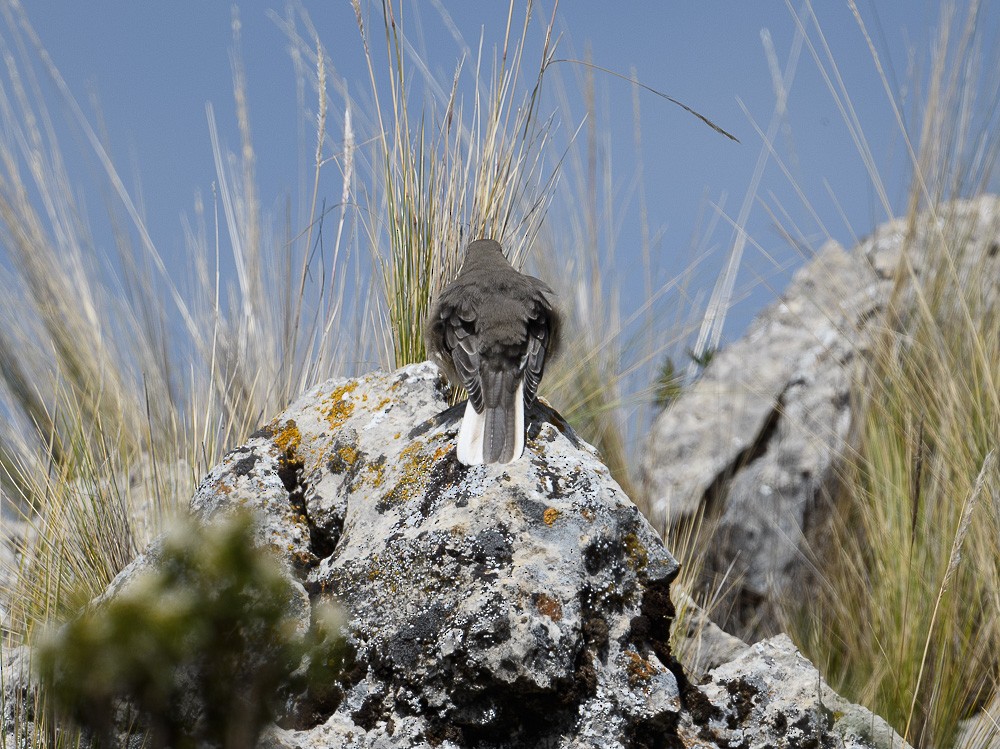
516, 605
19, 696
755, 444
771, 697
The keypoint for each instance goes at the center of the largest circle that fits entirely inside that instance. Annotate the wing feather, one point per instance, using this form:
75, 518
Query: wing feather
462, 345
543, 330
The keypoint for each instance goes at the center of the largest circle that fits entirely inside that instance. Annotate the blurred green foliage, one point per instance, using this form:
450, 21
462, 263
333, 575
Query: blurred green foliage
704, 358
670, 379
197, 649
669, 384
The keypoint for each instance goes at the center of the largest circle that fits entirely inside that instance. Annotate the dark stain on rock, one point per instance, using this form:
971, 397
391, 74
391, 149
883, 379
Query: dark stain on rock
338, 464
348, 461
265, 432
656, 732
560, 482
245, 465
449, 416
814, 729
492, 545
610, 597
651, 628
744, 697
445, 474
600, 553
595, 635
532, 509
406, 647
549, 483
780, 723
491, 628
404, 650
372, 710
699, 707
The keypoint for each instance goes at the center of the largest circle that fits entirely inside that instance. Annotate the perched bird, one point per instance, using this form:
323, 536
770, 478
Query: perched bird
491, 331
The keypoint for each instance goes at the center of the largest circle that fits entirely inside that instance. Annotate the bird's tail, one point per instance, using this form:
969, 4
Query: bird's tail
497, 434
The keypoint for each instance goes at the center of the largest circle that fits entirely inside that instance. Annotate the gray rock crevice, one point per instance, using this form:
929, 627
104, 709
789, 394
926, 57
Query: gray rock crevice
713, 501
755, 447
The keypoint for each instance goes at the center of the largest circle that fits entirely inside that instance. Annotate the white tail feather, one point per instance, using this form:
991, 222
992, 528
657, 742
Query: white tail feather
518, 421
471, 435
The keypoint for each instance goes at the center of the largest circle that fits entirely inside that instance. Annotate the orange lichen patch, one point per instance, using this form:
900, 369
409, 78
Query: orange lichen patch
396, 435
288, 438
637, 555
303, 559
587, 514
415, 465
550, 515
639, 669
348, 454
382, 404
375, 474
337, 407
548, 606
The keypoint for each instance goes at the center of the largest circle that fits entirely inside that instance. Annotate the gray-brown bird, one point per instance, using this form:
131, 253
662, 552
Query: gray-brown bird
491, 331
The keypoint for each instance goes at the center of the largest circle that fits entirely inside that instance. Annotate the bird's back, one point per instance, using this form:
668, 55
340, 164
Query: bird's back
491, 330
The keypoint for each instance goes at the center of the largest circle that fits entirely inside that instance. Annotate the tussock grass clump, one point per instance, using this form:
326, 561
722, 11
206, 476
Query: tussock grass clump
121, 381
446, 173
908, 616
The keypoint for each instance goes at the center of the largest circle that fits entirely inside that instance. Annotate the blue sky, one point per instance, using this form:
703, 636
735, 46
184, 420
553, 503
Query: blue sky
154, 66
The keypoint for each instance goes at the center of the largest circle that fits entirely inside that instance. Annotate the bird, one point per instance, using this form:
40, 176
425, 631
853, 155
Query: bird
492, 331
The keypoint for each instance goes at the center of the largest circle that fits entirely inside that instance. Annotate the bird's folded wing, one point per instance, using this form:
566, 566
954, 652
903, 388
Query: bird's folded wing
540, 332
462, 344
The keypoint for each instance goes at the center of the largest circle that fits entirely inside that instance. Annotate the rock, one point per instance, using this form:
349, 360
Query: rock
527, 601
489, 606
773, 697
20, 692
699, 643
982, 730
754, 445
